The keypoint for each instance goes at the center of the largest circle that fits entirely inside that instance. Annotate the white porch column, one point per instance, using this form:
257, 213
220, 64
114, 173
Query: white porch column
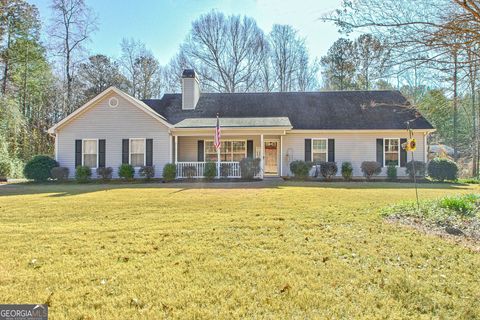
218, 163
281, 156
170, 153
176, 149
262, 167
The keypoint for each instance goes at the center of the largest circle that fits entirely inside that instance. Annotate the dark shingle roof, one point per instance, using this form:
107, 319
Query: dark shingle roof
331, 110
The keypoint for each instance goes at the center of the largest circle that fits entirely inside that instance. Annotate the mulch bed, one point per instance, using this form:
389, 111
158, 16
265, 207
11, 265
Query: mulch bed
466, 234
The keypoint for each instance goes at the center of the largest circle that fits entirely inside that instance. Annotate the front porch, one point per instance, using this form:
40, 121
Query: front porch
193, 150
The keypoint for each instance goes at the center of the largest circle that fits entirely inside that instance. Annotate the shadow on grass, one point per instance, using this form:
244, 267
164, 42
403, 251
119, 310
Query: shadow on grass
71, 188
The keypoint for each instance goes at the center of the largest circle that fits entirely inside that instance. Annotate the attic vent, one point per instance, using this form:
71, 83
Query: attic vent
113, 102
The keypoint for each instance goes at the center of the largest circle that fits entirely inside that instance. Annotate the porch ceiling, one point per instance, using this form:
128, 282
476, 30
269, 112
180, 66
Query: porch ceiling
263, 122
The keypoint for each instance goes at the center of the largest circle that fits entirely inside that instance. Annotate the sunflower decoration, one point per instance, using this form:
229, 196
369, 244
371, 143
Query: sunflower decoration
410, 145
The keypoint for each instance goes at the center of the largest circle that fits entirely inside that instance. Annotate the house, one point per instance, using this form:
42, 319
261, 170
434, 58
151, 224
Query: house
277, 127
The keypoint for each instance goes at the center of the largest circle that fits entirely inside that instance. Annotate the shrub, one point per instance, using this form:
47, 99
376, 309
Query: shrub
371, 168
169, 172
225, 169
465, 205
300, 169
39, 168
5, 170
83, 174
347, 170
442, 169
210, 170
126, 171
105, 173
249, 168
60, 173
189, 171
148, 172
420, 168
470, 181
392, 172
449, 211
328, 169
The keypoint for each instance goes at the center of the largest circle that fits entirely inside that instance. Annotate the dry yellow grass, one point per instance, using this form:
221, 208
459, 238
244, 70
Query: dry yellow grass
261, 250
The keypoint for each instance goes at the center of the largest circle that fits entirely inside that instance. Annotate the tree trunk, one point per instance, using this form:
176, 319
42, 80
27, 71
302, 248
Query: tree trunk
455, 107
474, 133
6, 61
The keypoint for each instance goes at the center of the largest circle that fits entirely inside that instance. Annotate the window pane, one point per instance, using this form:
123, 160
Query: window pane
239, 146
391, 145
90, 153
137, 146
90, 160
136, 160
209, 147
90, 146
229, 151
320, 145
210, 157
226, 147
318, 157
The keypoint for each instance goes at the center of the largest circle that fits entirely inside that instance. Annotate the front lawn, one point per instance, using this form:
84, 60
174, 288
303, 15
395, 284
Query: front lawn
242, 250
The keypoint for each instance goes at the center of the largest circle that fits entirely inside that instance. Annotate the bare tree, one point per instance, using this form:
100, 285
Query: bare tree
290, 59
71, 26
132, 50
172, 72
225, 51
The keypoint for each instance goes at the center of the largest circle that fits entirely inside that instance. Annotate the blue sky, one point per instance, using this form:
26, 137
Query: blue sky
163, 24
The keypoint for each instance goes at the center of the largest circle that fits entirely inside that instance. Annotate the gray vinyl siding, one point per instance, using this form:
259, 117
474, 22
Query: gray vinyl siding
353, 147
113, 124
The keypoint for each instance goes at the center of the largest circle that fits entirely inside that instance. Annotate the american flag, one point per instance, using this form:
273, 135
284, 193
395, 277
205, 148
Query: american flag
217, 142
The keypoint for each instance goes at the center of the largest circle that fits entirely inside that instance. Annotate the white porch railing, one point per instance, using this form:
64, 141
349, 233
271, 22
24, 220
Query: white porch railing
190, 169
194, 169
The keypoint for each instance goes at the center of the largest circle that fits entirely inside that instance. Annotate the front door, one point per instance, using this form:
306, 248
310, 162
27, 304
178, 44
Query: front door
271, 157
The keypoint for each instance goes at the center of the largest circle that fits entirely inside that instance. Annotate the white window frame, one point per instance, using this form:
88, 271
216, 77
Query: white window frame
398, 152
83, 151
144, 150
225, 140
326, 149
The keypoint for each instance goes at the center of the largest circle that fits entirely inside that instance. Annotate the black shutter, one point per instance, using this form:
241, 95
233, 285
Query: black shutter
125, 151
250, 149
308, 149
200, 152
380, 151
403, 153
149, 151
101, 153
331, 150
78, 153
